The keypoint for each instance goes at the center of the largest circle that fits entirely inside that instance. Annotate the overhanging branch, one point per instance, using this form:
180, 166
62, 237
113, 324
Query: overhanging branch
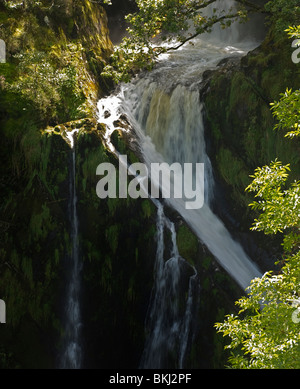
253, 9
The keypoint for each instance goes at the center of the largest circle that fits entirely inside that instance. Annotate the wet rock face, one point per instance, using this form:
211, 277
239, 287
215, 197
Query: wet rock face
118, 248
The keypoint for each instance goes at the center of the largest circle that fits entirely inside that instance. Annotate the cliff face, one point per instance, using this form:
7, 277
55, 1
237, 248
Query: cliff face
240, 127
55, 53
49, 85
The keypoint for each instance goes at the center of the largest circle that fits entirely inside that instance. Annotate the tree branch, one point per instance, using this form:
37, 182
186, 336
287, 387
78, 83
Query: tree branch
254, 8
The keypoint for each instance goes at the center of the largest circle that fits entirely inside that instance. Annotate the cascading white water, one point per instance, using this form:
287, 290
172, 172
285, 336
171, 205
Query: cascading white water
186, 330
71, 357
169, 318
180, 138
168, 326
164, 108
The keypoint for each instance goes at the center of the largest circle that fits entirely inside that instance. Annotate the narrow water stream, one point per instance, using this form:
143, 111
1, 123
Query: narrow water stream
71, 357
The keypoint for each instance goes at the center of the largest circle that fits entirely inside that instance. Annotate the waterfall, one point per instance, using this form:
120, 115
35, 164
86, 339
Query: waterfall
71, 357
169, 317
165, 110
168, 120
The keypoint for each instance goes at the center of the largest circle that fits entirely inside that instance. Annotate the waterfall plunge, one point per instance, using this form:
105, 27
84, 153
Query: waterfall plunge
71, 357
165, 110
180, 138
170, 315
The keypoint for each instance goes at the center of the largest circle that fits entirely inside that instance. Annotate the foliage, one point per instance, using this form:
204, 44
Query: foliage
160, 26
265, 334
280, 208
283, 13
287, 112
31, 4
164, 21
52, 91
293, 31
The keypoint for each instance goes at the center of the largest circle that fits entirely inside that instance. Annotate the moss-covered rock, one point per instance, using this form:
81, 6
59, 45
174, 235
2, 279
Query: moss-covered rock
187, 243
213, 298
240, 123
118, 246
33, 244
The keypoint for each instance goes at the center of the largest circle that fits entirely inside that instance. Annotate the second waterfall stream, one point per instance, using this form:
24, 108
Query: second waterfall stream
71, 357
164, 109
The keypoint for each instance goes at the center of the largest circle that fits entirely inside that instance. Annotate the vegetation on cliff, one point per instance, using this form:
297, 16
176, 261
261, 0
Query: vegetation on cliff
265, 334
55, 52
57, 67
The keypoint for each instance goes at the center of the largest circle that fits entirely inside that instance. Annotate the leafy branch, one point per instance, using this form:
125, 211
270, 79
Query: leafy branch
160, 21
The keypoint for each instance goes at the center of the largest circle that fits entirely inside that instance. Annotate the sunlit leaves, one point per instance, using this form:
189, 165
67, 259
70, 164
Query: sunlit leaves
50, 90
279, 208
293, 31
287, 112
264, 334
